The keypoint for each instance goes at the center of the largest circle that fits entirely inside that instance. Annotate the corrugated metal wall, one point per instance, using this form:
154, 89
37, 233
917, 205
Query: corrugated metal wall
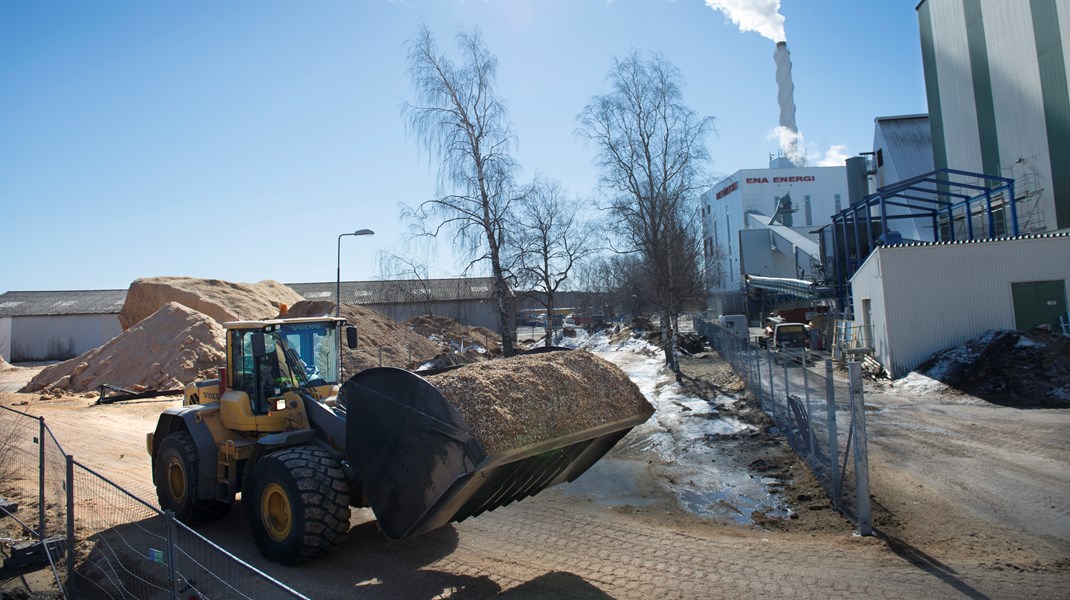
1013, 94
5, 338
928, 298
477, 314
60, 337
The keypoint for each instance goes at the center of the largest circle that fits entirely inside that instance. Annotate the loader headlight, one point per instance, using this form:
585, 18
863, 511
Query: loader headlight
280, 404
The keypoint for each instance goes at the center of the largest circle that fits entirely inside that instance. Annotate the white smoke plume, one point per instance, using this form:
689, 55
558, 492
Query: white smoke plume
795, 149
835, 156
791, 144
761, 16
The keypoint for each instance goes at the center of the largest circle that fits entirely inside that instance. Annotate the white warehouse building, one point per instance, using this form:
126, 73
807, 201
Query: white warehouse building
762, 222
919, 298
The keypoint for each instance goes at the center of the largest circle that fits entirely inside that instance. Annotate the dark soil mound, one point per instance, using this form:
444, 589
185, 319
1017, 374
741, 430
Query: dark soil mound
1008, 367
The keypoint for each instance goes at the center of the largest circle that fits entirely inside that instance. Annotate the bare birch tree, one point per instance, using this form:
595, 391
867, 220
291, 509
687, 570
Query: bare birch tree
554, 237
460, 118
650, 148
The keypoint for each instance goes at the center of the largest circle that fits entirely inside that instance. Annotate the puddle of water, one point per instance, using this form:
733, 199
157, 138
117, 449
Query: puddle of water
611, 483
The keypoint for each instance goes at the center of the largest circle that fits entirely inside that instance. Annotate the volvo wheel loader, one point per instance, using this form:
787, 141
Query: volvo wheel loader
279, 428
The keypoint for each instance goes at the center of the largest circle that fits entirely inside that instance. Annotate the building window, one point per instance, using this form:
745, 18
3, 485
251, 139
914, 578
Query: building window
809, 213
839, 205
728, 235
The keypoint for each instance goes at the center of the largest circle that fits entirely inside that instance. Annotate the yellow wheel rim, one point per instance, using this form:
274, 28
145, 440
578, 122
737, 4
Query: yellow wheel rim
276, 512
176, 480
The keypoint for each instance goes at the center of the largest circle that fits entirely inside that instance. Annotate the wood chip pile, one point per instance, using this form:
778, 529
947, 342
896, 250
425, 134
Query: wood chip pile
173, 347
515, 402
222, 300
375, 332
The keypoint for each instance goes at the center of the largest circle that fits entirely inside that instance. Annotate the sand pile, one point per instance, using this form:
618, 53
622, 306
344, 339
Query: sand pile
451, 334
375, 331
4, 364
222, 300
515, 402
174, 346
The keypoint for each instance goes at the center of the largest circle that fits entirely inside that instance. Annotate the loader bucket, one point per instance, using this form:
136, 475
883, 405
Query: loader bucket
421, 465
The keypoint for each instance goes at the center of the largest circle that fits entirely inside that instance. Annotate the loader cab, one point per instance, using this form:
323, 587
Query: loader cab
268, 358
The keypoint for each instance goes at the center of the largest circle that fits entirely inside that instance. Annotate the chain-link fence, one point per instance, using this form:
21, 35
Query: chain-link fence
32, 475
822, 418
101, 541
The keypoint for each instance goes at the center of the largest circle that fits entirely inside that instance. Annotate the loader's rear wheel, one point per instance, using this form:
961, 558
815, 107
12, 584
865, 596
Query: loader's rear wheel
177, 469
297, 504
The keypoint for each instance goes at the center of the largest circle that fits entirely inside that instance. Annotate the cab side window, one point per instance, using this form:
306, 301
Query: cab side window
244, 378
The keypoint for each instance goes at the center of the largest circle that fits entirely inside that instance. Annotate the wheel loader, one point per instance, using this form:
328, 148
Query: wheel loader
301, 448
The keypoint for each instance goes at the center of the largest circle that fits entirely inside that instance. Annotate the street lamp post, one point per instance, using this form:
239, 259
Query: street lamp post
338, 281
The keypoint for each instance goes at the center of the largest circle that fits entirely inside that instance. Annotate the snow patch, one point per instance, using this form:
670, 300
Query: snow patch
677, 434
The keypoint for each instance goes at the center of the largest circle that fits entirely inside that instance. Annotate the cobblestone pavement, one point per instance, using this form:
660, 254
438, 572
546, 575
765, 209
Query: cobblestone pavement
557, 547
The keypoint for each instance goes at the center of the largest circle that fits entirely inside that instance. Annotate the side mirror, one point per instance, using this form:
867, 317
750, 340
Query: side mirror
351, 337
259, 346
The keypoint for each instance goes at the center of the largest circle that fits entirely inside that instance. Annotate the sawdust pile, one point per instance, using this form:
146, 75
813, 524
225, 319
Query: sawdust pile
401, 347
4, 364
515, 402
222, 300
451, 334
174, 346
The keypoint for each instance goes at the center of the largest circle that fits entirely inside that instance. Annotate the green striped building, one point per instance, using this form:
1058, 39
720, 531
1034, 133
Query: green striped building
996, 75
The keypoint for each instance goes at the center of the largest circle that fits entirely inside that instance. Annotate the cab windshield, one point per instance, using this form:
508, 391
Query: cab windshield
315, 345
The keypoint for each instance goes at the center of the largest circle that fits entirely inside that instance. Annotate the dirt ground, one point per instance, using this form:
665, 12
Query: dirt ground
971, 499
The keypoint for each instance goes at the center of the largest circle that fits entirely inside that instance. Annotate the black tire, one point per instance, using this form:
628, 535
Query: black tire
297, 504
177, 469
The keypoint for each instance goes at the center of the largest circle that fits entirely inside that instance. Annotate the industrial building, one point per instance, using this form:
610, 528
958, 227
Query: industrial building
999, 104
916, 299
762, 222
468, 300
57, 325
902, 148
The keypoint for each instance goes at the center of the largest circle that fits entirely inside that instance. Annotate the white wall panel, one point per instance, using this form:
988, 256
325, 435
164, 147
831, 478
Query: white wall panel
956, 85
1019, 106
61, 336
939, 296
5, 338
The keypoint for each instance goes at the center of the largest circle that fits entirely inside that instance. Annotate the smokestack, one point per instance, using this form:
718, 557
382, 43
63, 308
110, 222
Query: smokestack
786, 99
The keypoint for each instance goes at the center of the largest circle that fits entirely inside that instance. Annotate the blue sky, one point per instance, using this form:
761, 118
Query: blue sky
236, 140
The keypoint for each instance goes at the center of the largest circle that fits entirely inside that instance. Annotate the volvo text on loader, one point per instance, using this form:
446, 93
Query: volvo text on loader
279, 428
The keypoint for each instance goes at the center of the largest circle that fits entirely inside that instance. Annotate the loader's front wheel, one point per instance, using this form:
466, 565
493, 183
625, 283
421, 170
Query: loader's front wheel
177, 470
297, 504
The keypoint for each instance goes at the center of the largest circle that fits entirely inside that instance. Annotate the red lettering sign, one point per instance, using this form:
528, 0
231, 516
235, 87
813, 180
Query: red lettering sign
727, 190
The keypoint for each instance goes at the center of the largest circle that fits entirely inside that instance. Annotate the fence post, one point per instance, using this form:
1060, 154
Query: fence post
809, 411
41, 535
169, 521
858, 413
70, 520
772, 398
380, 356
834, 441
757, 369
792, 437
